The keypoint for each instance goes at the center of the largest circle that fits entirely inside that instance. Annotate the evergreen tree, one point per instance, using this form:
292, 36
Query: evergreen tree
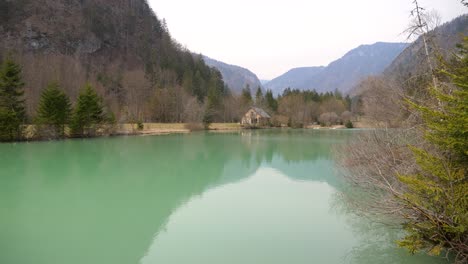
12, 112
213, 101
54, 109
271, 101
259, 97
246, 95
437, 195
88, 112
348, 102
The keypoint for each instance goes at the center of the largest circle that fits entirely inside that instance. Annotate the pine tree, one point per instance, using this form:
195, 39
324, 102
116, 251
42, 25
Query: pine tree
54, 109
271, 101
88, 112
246, 95
437, 195
12, 112
259, 97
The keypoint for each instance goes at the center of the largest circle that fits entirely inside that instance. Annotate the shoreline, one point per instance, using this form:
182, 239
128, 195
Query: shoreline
160, 129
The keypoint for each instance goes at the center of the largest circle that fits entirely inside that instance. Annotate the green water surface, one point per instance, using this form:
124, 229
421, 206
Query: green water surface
248, 197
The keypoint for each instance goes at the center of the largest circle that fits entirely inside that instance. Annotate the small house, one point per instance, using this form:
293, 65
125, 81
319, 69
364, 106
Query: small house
255, 117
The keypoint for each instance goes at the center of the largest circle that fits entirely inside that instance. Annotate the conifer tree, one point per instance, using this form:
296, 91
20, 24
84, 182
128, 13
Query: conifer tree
88, 112
12, 111
259, 97
54, 109
271, 101
437, 195
246, 95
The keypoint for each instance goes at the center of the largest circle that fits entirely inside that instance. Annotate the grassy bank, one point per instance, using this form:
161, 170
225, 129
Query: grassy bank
170, 128
163, 129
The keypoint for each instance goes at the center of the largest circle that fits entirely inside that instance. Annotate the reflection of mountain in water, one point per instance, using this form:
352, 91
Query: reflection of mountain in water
301, 155
88, 199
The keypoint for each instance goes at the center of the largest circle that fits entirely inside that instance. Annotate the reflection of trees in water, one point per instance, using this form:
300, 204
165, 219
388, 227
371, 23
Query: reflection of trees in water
292, 146
123, 190
376, 241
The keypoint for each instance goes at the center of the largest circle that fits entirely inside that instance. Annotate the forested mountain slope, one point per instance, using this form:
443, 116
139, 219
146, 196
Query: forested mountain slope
443, 40
119, 46
235, 77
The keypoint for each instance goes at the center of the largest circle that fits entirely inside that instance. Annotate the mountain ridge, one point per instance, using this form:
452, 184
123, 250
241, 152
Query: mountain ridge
234, 76
412, 60
341, 74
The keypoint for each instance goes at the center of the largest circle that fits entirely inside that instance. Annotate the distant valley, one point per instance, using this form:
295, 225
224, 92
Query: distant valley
342, 74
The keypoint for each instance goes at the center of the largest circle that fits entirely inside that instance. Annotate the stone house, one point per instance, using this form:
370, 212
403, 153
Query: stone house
255, 117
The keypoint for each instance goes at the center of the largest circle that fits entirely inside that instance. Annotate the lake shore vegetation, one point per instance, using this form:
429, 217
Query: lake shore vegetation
415, 176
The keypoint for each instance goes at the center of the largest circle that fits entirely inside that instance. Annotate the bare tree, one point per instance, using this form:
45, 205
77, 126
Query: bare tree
382, 101
423, 23
332, 105
295, 108
328, 119
346, 116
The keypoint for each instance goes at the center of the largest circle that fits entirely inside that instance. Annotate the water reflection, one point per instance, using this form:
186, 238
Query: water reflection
110, 200
376, 241
266, 218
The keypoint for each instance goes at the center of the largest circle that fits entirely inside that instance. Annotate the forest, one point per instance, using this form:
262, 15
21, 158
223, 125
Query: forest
57, 116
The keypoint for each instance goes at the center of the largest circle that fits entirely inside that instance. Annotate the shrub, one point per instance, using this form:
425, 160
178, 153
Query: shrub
140, 125
349, 124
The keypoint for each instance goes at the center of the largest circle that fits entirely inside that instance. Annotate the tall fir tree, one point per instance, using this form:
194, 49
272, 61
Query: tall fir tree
259, 97
271, 102
437, 194
12, 111
88, 114
246, 96
54, 109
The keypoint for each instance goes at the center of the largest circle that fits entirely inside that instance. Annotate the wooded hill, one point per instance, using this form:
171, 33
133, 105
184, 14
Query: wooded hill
409, 75
442, 40
119, 46
235, 77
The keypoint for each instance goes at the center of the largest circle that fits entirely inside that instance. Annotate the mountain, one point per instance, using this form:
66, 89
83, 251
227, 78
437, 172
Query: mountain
294, 78
235, 77
120, 47
412, 61
264, 81
342, 74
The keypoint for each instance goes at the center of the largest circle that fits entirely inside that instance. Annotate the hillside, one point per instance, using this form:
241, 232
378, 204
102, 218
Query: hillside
412, 60
235, 77
408, 75
342, 74
120, 47
294, 78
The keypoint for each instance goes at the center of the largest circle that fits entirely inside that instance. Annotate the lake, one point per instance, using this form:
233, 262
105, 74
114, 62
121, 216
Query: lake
255, 197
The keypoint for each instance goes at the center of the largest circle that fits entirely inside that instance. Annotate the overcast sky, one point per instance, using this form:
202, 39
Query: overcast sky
270, 37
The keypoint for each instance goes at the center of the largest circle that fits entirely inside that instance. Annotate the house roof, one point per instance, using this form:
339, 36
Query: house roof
261, 112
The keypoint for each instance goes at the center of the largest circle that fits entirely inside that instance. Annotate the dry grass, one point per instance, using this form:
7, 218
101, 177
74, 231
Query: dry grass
225, 126
165, 128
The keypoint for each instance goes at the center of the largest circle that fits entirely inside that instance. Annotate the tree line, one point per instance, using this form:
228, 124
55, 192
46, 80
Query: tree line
54, 112
297, 108
194, 101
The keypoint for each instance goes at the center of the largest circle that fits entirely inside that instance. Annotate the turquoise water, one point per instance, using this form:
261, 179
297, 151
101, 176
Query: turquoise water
247, 197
